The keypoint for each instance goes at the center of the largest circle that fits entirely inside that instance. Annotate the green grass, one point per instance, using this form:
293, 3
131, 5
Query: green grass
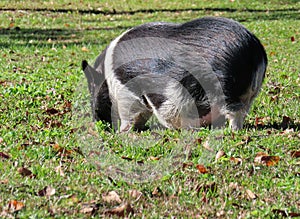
43, 97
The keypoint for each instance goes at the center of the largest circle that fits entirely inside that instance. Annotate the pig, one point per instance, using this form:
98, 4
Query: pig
188, 75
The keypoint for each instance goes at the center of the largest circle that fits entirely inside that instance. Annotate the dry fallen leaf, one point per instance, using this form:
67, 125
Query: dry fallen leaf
127, 158
189, 164
25, 172
250, 194
265, 159
156, 191
61, 151
270, 160
292, 38
47, 191
284, 213
295, 154
220, 154
89, 208
84, 49
258, 157
111, 197
14, 205
4, 181
154, 158
198, 141
121, 211
236, 160
201, 168
3, 155
259, 121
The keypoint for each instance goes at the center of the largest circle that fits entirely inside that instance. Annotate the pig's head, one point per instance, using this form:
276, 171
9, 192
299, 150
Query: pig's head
100, 100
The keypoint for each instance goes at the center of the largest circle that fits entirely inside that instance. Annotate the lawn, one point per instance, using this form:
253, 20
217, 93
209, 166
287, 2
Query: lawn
56, 163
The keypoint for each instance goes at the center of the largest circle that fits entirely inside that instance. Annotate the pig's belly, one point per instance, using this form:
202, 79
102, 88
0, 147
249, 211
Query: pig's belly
205, 120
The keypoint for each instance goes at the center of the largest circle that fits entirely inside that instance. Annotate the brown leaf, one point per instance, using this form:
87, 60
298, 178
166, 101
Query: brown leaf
259, 121
3, 155
260, 154
154, 158
156, 191
47, 191
265, 159
292, 38
14, 205
258, 157
245, 140
250, 194
189, 164
284, 213
51, 111
274, 98
61, 150
121, 211
294, 214
220, 154
24, 171
236, 160
84, 49
270, 160
89, 208
4, 181
1, 139
201, 168
198, 141
240, 143
126, 158
295, 154
111, 197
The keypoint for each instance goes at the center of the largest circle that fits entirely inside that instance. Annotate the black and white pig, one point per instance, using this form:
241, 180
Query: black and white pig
187, 75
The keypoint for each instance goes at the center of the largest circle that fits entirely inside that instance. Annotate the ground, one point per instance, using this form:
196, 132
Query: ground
49, 149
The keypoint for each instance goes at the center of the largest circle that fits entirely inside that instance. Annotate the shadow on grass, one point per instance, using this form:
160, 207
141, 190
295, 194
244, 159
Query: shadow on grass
20, 36
277, 126
115, 12
46, 37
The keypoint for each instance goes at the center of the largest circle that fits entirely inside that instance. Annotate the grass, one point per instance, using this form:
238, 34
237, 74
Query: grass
42, 90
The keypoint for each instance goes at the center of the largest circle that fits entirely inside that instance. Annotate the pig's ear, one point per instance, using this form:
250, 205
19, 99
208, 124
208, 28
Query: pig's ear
93, 77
